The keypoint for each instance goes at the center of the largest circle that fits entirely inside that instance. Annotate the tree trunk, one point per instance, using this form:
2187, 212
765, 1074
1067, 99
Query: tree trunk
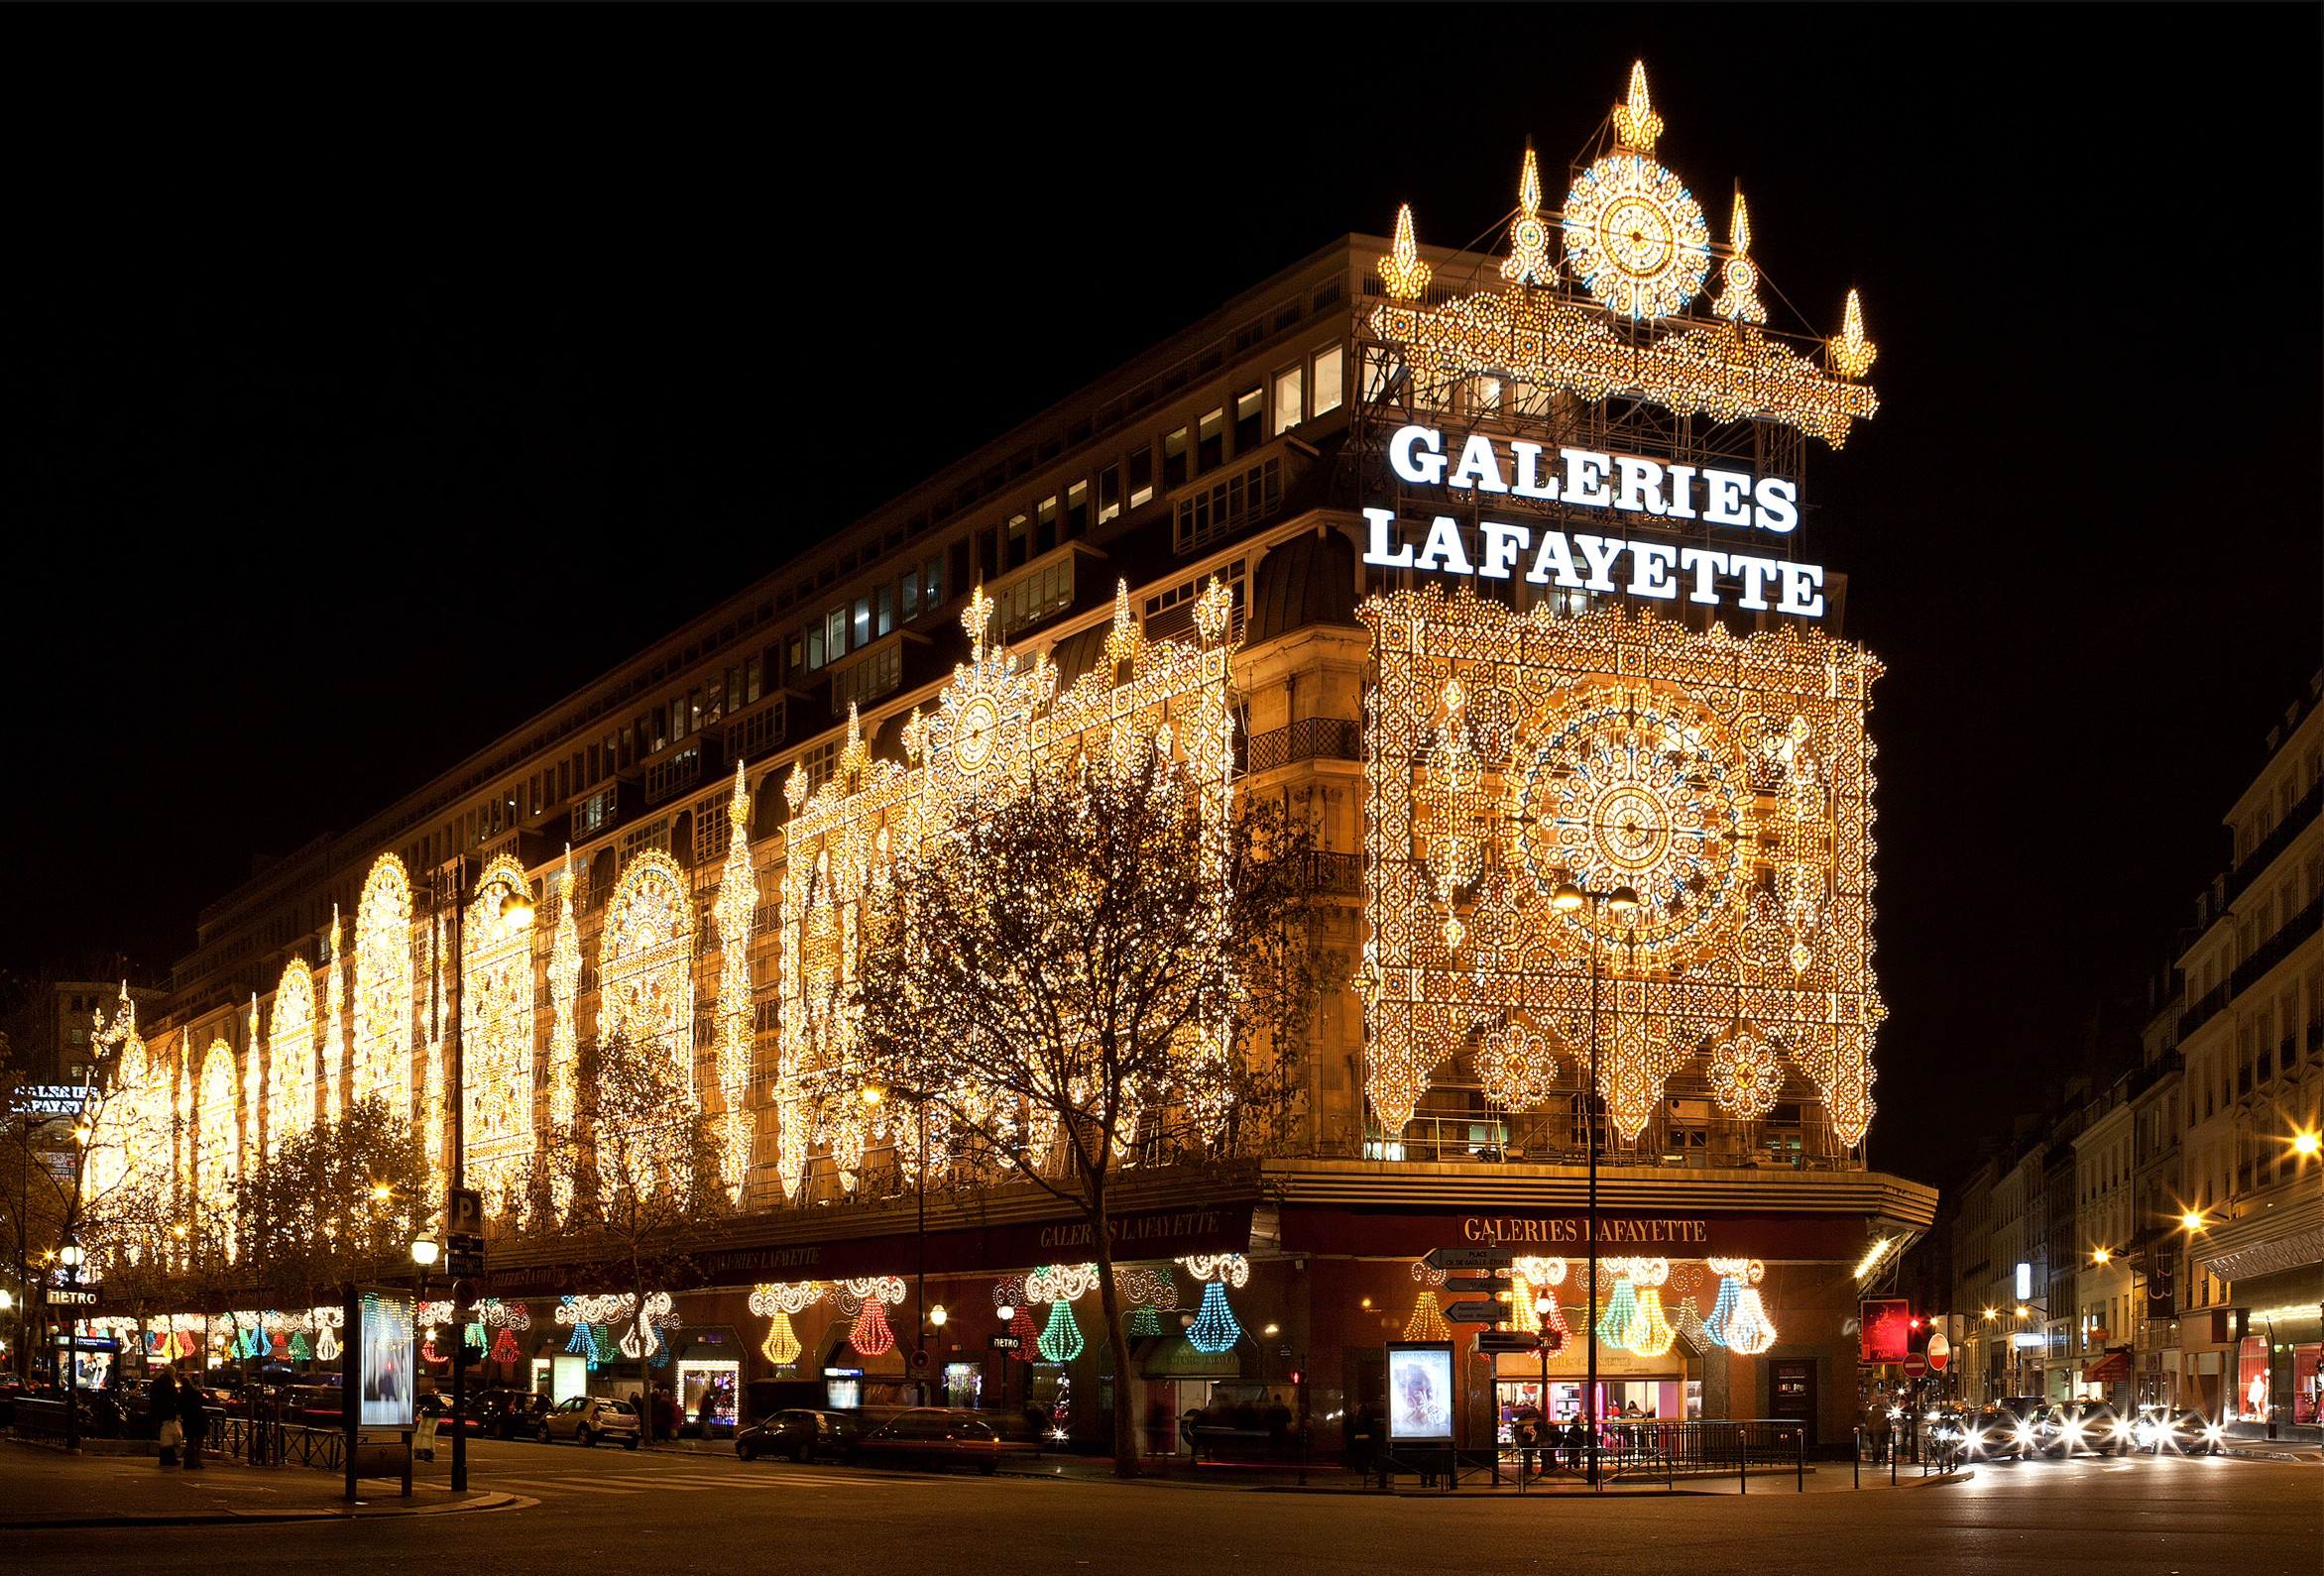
637, 1333
1126, 1435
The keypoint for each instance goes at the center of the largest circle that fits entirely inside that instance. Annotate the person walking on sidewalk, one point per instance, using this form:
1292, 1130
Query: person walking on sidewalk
162, 1408
194, 1418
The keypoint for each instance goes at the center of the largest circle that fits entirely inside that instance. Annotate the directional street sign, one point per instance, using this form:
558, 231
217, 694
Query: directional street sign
1466, 1258
1484, 1312
1475, 1282
1006, 1343
1507, 1340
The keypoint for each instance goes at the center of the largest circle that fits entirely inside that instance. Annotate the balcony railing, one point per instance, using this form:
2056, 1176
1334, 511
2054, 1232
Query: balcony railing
1309, 739
2275, 948
2258, 860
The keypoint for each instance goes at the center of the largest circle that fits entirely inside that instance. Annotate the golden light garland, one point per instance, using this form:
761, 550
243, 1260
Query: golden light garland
1636, 236
564, 981
1428, 1320
1227, 1269
291, 1058
1618, 749
496, 1026
1402, 270
382, 989
645, 973
1517, 1068
218, 1143
434, 1121
738, 903
335, 1027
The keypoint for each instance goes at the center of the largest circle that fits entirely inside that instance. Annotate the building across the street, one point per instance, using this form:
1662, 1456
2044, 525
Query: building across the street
1495, 568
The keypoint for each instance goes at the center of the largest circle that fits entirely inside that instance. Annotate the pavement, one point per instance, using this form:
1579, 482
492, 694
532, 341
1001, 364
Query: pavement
43, 1487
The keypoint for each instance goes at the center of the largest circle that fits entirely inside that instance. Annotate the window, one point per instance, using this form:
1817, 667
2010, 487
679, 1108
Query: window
711, 826
814, 647
1288, 409
759, 731
1016, 540
534, 792
1173, 459
933, 576
835, 634
909, 587
1250, 414
673, 775
818, 763
868, 679
753, 676
1142, 476
1077, 508
1045, 524
1108, 492
989, 552
884, 610
1210, 440
1242, 498
592, 813
656, 835
1036, 596
862, 622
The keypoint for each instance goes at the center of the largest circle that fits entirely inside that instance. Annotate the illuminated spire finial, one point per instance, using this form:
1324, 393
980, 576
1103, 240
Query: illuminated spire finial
1740, 302
1853, 355
1529, 259
975, 618
1405, 274
1636, 124
1123, 640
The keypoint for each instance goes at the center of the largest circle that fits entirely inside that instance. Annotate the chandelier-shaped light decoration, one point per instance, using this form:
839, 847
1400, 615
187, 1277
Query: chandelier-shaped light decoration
871, 1335
504, 1347
1214, 1329
301, 1348
1621, 1313
326, 1346
1428, 1319
1060, 1342
1142, 1321
775, 1303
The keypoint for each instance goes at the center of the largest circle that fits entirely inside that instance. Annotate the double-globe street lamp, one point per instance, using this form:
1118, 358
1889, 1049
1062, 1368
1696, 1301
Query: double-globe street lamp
1622, 901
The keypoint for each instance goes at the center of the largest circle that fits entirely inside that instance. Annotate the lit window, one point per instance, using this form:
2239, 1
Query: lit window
835, 634
1108, 492
910, 586
1019, 529
863, 621
1210, 440
1288, 411
1045, 524
933, 578
1251, 409
1173, 460
1142, 477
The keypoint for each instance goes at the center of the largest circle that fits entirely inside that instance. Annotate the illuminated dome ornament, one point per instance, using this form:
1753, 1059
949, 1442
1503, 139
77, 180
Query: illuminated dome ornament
1529, 261
1853, 355
1636, 125
1636, 236
1402, 272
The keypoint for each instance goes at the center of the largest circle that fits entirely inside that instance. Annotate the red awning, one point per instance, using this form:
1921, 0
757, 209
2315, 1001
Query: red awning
2108, 1369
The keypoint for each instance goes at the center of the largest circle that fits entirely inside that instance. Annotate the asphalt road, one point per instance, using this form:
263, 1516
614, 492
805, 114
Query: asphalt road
666, 1513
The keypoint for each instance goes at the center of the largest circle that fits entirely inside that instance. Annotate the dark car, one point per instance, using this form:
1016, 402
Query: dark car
936, 1437
513, 1414
2072, 1426
801, 1435
438, 1404
2158, 1430
2008, 1427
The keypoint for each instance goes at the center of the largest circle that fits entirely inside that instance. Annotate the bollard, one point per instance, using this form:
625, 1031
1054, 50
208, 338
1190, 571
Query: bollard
1856, 1457
1801, 1440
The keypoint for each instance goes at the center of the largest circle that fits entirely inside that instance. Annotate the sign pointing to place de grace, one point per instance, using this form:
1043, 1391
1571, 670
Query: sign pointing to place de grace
1467, 1258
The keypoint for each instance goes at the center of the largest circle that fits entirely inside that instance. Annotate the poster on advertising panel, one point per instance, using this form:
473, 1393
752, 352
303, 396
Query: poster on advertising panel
1887, 1329
1420, 1393
383, 1356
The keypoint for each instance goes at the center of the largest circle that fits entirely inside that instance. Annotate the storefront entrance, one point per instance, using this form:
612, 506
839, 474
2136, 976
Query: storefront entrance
1790, 1393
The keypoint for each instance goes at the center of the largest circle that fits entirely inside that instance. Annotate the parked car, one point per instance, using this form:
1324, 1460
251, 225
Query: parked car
801, 1435
2157, 1429
513, 1413
936, 1437
438, 1404
585, 1420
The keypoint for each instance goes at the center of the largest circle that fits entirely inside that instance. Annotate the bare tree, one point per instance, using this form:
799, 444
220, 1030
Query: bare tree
1089, 968
643, 1166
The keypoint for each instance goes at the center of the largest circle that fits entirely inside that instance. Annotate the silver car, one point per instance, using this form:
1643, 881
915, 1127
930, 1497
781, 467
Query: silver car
586, 1419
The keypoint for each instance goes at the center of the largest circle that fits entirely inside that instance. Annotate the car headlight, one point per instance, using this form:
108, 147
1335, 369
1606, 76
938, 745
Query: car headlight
2024, 1437
2214, 1432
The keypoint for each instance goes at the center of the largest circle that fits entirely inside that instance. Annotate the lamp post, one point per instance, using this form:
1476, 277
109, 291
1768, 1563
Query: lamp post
871, 1094
1568, 899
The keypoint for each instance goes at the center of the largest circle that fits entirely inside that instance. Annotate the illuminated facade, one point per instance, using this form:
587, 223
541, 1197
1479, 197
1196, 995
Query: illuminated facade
1490, 566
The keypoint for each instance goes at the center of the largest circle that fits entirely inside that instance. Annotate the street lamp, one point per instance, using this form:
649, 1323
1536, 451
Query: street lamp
1623, 901
423, 1251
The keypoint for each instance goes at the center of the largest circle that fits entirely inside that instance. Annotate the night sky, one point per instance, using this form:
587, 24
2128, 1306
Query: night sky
357, 420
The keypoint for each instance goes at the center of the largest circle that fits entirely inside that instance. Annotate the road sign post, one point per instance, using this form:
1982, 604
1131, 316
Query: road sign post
1487, 1284
1485, 1310
1467, 1258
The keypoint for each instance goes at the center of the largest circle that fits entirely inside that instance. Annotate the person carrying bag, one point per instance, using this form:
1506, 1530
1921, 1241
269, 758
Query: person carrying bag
161, 1406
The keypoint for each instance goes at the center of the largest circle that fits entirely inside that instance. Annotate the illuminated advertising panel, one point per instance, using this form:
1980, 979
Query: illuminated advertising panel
1420, 1393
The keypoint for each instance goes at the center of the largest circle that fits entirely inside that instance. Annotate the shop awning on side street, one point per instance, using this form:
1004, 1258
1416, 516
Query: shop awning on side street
2107, 1370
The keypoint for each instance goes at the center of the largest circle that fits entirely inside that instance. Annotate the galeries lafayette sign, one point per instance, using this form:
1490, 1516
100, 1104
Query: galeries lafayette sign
1663, 496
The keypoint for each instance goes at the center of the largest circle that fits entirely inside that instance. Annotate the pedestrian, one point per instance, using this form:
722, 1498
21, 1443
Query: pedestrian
194, 1418
1525, 1431
162, 1410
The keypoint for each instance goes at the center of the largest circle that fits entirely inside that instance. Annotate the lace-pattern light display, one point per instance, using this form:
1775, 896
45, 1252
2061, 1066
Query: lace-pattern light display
1727, 780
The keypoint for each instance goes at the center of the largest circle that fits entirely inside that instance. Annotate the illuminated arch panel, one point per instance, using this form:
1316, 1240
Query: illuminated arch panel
496, 1025
382, 989
291, 1059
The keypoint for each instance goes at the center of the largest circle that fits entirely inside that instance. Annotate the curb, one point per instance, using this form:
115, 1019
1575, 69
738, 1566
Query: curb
2274, 1455
489, 1501
1966, 1474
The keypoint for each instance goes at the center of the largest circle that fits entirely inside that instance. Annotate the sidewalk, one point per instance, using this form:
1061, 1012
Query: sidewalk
43, 1487
2273, 1450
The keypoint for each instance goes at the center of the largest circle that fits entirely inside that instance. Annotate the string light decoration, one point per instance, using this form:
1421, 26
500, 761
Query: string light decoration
1062, 1341
219, 1145
564, 1071
1142, 1321
1745, 1076
1636, 236
1233, 1269
1853, 355
642, 1336
291, 1058
1428, 1319
645, 973
1214, 1329
1621, 749
1738, 1319
1650, 1334
1739, 303
777, 1303
997, 725
496, 1023
1529, 261
1636, 125
504, 1349
382, 989
435, 1060
871, 1335
1517, 1068
1061, 1282
300, 1349
733, 913
1402, 270
335, 1027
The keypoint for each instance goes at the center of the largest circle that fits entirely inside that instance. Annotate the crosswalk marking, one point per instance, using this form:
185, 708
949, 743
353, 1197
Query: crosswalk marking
561, 1486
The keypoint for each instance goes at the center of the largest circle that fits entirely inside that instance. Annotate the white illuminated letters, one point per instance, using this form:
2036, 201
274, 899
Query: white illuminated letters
1650, 570
1725, 505
1530, 481
1478, 467
1503, 546
1585, 478
1755, 573
1555, 555
1799, 579
1408, 459
1641, 485
1778, 505
1704, 565
1442, 549
1383, 523
1602, 551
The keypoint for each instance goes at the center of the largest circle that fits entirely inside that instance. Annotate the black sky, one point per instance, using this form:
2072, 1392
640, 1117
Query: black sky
379, 377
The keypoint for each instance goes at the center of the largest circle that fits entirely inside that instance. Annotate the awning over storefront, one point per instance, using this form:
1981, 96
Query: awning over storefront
2113, 1368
